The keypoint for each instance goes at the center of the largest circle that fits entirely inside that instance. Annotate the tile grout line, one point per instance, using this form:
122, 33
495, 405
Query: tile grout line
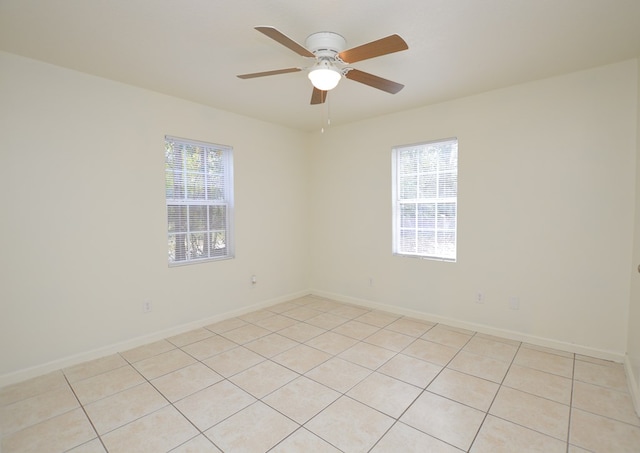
371, 371
397, 420
541, 397
98, 436
170, 403
200, 432
270, 359
573, 377
227, 378
131, 364
486, 414
342, 394
332, 356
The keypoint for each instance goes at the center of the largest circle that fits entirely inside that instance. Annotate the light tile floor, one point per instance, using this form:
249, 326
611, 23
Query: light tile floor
315, 375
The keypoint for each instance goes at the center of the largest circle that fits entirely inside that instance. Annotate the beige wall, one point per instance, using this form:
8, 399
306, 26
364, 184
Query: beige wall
547, 190
83, 223
546, 186
633, 341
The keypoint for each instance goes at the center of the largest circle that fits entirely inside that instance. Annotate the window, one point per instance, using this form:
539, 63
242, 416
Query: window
425, 191
199, 193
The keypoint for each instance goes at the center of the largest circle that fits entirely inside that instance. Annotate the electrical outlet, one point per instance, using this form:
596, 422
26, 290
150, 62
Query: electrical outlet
370, 281
514, 303
254, 280
480, 297
146, 306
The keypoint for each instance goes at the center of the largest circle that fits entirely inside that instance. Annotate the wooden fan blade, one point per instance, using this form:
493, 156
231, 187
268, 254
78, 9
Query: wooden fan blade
268, 73
285, 41
374, 81
383, 46
318, 96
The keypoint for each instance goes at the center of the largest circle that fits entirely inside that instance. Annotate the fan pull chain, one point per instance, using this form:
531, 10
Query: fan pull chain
326, 111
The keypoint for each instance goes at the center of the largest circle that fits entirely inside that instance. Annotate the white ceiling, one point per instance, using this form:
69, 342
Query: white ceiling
193, 49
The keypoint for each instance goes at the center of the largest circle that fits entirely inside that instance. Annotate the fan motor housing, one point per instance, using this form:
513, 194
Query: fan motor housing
325, 44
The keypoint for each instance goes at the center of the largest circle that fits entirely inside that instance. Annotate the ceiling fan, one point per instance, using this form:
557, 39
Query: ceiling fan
332, 60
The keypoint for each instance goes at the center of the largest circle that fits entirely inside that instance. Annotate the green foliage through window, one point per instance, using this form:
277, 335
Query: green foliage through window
426, 199
199, 194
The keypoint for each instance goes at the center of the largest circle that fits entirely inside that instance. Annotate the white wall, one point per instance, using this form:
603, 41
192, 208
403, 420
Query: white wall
83, 221
547, 190
633, 342
546, 186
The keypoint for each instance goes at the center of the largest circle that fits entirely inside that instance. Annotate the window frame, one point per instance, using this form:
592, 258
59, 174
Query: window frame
225, 202
439, 253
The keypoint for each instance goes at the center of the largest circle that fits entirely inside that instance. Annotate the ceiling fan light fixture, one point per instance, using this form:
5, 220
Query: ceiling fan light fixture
325, 76
328, 51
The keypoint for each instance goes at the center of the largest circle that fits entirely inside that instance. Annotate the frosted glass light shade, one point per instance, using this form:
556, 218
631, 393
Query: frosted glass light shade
324, 76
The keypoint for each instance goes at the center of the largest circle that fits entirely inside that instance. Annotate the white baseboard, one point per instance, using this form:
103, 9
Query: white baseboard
481, 328
65, 362
633, 383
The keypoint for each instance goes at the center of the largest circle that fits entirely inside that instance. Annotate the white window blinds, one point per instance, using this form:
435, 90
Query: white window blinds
199, 195
425, 205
